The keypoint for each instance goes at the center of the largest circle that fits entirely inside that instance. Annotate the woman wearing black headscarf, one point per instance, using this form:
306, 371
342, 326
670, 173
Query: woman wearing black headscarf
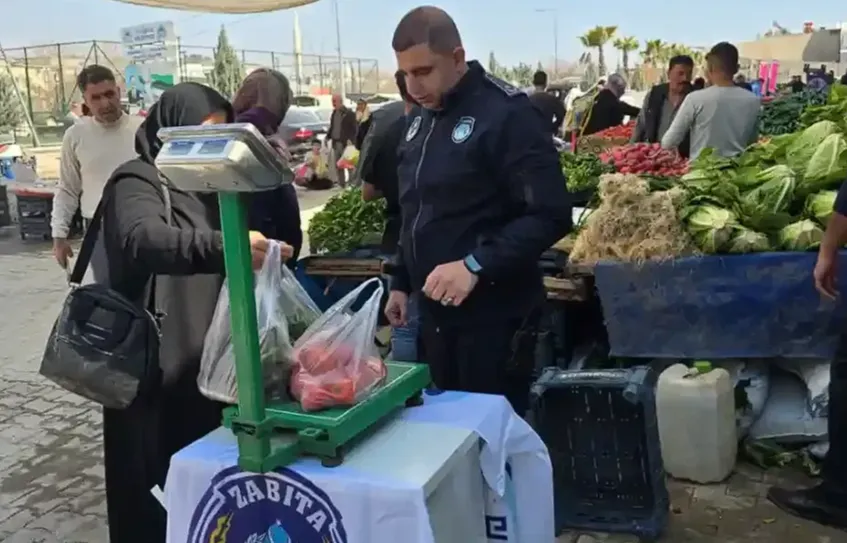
263, 100
184, 253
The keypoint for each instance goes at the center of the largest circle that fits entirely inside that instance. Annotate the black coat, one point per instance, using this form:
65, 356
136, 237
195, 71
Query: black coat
608, 111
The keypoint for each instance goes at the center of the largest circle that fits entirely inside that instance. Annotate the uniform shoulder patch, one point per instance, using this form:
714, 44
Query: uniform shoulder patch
507, 88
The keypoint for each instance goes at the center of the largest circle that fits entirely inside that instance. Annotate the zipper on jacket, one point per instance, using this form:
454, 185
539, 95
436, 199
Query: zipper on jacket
417, 188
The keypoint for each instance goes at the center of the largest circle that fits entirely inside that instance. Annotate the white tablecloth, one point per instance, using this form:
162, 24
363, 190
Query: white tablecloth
368, 499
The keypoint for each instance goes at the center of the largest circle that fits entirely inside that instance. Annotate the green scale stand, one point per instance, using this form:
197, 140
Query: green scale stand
231, 159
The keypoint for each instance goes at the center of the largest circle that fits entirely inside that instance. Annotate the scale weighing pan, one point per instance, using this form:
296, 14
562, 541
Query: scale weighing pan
221, 158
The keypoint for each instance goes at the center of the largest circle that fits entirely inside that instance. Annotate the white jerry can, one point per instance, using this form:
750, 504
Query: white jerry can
695, 408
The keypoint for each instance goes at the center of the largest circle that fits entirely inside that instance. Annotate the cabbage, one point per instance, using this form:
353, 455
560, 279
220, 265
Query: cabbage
828, 164
764, 208
748, 241
800, 236
801, 149
776, 190
819, 206
711, 227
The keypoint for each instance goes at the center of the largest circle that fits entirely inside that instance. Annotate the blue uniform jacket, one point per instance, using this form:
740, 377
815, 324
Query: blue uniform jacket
480, 177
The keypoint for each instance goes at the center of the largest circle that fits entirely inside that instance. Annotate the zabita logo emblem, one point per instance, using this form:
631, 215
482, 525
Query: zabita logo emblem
277, 507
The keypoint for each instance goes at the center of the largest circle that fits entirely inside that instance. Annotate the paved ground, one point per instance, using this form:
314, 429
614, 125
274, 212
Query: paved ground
51, 482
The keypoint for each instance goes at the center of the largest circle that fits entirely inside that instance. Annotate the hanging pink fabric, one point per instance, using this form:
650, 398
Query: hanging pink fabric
772, 76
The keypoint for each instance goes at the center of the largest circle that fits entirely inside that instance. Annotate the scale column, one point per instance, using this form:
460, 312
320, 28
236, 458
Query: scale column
245, 336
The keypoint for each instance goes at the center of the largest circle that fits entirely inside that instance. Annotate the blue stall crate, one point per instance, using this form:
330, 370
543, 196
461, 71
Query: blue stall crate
743, 306
601, 431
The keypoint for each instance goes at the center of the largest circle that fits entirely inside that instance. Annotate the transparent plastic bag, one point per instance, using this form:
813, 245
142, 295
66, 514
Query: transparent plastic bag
217, 366
299, 308
349, 158
336, 362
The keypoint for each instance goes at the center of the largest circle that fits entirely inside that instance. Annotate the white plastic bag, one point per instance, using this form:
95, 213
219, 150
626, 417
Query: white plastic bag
349, 158
217, 367
336, 362
786, 417
815, 373
299, 308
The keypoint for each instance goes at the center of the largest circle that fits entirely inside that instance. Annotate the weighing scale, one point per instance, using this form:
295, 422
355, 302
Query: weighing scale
230, 159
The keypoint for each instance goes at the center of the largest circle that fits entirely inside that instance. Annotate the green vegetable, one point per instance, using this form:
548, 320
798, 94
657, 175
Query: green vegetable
800, 151
819, 206
748, 241
345, 223
582, 170
711, 227
782, 115
802, 235
827, 165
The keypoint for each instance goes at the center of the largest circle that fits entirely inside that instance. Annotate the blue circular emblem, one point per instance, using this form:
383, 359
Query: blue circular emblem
414, 128
463, 129
276, 507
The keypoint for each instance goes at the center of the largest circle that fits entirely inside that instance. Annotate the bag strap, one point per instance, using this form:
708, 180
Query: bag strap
151, 300
89, 240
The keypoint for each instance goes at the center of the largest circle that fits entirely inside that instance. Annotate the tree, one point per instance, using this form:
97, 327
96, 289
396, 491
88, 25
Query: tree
651, 58
227, 73
11, 113
626, 45
597, 38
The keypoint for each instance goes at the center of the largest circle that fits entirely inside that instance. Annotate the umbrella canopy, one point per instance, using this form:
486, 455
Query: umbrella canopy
222, 6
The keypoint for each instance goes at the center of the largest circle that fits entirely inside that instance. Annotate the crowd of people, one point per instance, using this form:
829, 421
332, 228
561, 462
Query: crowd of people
474, 195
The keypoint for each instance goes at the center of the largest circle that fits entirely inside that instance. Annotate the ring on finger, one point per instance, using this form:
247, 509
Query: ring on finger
447, 301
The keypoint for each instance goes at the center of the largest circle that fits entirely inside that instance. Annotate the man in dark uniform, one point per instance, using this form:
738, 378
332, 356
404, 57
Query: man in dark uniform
482, 196
826, 503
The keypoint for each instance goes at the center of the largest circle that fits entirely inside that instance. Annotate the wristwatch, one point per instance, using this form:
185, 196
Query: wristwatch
472, 265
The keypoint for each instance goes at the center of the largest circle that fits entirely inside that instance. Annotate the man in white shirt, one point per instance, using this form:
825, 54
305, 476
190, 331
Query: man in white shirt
91, 150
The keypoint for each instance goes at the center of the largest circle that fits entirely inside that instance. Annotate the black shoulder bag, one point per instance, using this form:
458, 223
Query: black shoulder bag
103, 346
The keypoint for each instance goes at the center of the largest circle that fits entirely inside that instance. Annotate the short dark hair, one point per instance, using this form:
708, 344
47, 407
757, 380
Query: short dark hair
681, 60
724, 57
427, 25
93, 74
540, 78
400, 80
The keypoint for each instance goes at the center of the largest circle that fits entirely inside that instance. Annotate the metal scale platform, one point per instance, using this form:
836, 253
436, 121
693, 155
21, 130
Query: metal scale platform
230, 159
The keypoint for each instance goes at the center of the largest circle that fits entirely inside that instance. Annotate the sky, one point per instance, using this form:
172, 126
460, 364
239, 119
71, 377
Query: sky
514, 30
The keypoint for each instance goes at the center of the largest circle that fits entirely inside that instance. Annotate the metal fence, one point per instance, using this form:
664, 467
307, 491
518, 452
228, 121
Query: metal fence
46, 75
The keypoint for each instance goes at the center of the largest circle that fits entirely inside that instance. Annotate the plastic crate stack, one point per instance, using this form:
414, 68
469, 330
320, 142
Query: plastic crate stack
601, 431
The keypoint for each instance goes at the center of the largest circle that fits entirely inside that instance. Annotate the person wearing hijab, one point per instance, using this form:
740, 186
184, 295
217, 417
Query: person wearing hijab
181, 256
263, 100
608, 109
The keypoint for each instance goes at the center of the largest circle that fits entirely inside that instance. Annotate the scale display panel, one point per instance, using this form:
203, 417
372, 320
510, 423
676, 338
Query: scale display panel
179, 148
213, 147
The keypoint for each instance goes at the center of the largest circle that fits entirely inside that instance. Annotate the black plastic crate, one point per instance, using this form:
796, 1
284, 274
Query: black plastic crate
34, 213
600, 429
5, 212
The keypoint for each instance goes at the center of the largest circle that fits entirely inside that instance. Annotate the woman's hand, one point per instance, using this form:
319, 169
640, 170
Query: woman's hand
259, 246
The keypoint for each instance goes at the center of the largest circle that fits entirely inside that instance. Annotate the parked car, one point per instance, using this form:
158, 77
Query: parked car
299, 129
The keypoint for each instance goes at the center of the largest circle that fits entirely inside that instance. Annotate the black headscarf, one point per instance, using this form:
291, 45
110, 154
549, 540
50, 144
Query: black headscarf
185, 104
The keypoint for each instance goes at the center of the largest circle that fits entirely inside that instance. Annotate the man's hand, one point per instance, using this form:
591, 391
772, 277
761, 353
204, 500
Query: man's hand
826, 270
396, 307
450, 283
62, 251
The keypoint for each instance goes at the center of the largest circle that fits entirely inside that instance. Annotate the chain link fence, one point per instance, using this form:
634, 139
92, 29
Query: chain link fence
46, 76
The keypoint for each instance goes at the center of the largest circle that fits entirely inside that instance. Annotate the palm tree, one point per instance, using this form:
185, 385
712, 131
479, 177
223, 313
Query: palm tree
651, 58
597, 38
626, 45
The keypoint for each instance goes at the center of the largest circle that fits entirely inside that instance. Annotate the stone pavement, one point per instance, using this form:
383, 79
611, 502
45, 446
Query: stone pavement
51, 480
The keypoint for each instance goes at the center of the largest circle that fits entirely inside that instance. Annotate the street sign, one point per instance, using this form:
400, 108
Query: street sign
149, 42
